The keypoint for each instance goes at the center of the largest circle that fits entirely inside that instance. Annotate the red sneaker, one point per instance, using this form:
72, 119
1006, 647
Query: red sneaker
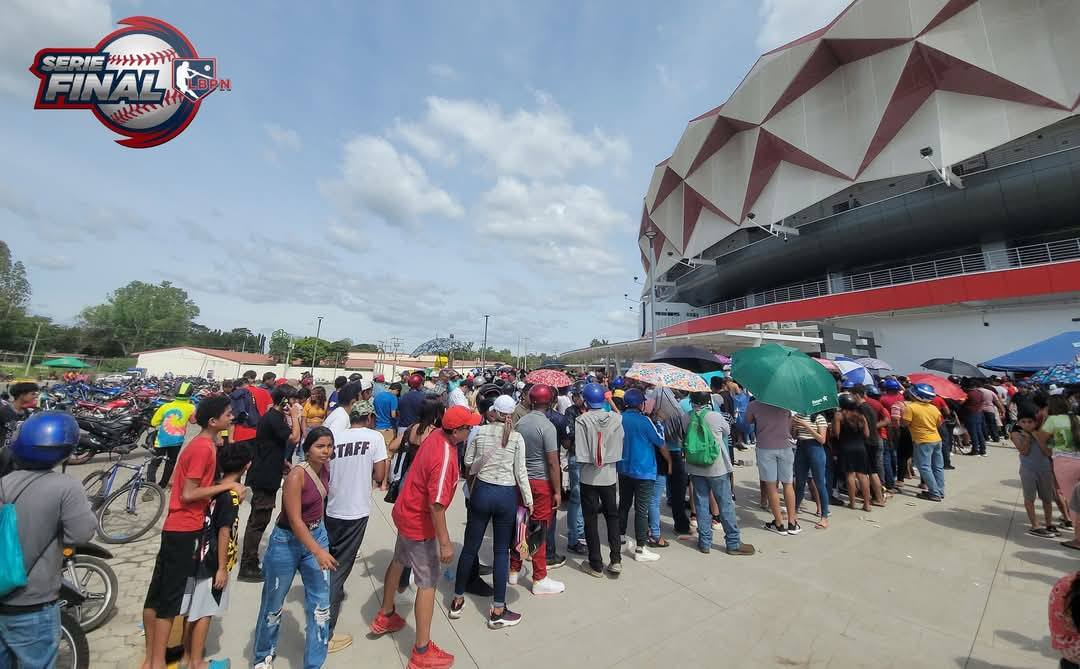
434, 658
384, 624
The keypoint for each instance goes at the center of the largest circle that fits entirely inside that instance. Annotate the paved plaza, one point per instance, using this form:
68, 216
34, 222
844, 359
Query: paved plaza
917, 584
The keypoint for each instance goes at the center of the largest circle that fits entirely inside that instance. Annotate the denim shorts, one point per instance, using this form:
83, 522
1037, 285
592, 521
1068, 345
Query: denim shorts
776, 464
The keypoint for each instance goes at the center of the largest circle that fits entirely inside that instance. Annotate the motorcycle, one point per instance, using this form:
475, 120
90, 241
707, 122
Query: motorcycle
86, 569
74, 651
113, 434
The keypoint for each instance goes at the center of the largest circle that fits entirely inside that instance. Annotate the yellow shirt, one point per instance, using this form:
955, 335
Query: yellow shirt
923, 419
313, 414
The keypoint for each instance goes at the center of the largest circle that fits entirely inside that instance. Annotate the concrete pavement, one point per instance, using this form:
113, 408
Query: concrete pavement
917, 584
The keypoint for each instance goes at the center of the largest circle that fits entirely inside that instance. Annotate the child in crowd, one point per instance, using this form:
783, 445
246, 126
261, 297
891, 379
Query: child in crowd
196, 470
1035, 473
207, 593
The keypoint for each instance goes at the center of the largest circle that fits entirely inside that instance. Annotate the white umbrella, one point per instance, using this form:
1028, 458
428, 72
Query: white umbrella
855, 373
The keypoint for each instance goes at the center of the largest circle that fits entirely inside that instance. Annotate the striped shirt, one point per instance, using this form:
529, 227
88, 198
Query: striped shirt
801, 433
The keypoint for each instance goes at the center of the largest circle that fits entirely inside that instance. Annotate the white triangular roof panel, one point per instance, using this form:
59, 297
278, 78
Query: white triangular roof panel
722, 179
668, 216
690, 144
874, 18
710, 229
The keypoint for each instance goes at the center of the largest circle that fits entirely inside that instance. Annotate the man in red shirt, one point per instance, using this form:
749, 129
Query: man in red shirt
423, 541
261, 398
195, 472
885, 470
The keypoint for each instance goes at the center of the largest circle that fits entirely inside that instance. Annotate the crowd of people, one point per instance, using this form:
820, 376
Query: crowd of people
518, 453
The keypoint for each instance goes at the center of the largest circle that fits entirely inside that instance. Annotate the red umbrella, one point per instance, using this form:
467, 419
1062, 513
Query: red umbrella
942, 386
828, 364
549, 377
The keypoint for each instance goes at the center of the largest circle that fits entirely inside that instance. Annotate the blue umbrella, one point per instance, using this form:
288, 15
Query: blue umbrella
1066, 374
709, 376
855, 373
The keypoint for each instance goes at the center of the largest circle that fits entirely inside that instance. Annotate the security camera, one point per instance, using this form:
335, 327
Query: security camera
671, 253
751, 216
926, 152
785, 239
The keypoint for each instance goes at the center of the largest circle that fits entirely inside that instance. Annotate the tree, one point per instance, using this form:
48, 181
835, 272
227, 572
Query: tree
598, 342
280, 343
14, 286
365, 348
140, 316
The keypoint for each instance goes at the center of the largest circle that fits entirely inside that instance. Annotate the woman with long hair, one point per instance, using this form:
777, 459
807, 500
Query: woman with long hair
315, 407
851, 431
299, 543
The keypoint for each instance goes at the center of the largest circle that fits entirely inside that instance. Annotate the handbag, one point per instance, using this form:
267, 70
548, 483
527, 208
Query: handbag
13, 568
530, 533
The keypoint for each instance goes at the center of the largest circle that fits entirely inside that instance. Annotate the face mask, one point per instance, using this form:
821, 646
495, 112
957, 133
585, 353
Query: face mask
454, 385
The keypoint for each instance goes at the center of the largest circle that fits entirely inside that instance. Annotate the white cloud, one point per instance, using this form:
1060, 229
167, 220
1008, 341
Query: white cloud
540, 144
30, 25
666, 81
787, 20
423, 142
51, 262
283, 138
443, 71
378, 179
346, 237
572, 214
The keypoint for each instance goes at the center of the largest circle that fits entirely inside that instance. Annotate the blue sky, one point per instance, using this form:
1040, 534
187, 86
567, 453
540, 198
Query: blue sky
400, 168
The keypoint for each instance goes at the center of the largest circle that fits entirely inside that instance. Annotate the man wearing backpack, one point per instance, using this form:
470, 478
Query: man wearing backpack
708, 462
50, 511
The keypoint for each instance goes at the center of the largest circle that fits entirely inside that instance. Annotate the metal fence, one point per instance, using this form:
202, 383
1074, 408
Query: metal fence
987, 261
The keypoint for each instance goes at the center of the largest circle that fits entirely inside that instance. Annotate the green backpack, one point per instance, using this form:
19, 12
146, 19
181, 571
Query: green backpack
700, 447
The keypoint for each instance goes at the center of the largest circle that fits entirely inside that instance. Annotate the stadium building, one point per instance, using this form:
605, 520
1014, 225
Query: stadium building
902, 183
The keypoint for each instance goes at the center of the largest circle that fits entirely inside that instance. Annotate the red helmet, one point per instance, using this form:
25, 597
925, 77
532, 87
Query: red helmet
415, 381
540, 394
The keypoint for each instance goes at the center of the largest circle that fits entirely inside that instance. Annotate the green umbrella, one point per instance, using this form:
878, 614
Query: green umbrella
784, 377
66, 363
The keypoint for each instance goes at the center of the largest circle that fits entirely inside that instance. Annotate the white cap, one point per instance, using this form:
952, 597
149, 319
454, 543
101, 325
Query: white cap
1056, 390
504, 404
365, 384
520, 385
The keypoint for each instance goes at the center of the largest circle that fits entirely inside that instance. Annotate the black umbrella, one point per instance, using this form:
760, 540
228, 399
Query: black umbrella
953, 367
693, 358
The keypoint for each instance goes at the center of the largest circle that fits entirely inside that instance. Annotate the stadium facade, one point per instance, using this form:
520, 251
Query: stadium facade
903, 183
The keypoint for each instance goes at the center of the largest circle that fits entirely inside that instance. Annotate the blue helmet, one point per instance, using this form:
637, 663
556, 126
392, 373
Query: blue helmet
873, 391
45, 439
848, 384
923, 392
633, 398
618, 382
594, 395
891, 384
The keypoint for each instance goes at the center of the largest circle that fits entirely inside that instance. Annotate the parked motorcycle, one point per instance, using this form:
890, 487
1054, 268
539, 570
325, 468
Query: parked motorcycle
86, 568
74, 651
113, 434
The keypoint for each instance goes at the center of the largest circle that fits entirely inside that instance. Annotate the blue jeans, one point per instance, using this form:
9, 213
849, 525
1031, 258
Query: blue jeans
888, 455
720, 487
497, 504
575, 522
974, 423
285, 555
654, 506
810, 458
30, 639
931, 467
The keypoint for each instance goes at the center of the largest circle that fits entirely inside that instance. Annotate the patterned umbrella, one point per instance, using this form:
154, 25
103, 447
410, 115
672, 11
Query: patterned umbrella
828, 364
874, 365
549, 377
942, 386
441, 345
855, 373
668, 376
1065, 374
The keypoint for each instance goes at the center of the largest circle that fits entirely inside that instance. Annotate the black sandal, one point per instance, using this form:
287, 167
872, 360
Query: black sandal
657, 543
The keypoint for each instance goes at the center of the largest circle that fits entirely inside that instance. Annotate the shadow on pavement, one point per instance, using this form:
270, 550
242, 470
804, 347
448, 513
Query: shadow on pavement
1062, 563
1028, 644
1033, 576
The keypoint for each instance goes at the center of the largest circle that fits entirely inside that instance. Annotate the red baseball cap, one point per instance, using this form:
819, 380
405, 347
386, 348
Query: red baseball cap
380, 378
459, 416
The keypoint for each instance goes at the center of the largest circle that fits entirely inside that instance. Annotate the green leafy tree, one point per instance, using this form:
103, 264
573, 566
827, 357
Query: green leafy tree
280, 342
140, 316
598, 342
14, 286
365, 348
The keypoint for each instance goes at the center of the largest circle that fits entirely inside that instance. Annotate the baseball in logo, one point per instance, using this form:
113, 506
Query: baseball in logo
144, 81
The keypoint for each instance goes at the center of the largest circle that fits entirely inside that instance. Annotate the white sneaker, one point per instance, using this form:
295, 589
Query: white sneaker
548, 586
643, 554
627, 542
515, 575
268, 663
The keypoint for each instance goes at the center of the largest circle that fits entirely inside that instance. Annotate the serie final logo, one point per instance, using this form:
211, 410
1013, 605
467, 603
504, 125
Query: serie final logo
144, 81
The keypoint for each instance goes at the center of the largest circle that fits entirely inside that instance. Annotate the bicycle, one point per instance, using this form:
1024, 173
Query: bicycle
120, 519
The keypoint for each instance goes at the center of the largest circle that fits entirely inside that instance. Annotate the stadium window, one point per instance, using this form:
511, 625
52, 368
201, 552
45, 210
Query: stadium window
841, 207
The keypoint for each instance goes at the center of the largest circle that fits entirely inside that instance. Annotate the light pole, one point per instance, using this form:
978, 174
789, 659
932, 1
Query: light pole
483, 349
315, 347
30, 353
650, 234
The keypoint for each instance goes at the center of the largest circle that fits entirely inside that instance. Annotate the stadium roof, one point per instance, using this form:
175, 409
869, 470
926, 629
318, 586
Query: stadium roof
856, 101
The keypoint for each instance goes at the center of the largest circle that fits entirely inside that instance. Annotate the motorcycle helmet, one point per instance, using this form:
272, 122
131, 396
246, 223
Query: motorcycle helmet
847, 402
489, 391
594, 395
924, 392
415, 381
891, 385
45, 439
633, 398
848, 385
183, 390
873, 391
540, 394
618, 382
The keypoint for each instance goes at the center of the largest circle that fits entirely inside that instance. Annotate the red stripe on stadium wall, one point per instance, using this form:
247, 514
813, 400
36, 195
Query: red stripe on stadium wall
1061, 277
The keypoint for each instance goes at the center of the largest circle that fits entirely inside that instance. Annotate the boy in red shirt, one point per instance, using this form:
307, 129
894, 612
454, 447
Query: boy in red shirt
196, 470
423, 541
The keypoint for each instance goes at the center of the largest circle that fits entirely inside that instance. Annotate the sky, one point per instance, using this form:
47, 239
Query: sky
399, 168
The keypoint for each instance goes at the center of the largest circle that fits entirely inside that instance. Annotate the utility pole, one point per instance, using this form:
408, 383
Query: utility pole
396, 342
315, 347
483, 349
288, 358
525, 358
30, 352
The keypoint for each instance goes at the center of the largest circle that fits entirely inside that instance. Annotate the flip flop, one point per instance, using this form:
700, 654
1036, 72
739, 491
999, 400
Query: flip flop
1071, 545
657, 543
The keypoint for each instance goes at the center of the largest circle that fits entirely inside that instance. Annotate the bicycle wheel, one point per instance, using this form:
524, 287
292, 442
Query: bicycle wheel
130, 512
98, 583
74, 650
94, 486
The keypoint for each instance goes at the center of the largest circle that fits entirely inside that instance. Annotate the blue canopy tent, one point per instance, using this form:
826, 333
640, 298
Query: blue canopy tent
1060, 349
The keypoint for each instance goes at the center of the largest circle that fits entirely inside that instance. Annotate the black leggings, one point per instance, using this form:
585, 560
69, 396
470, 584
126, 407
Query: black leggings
171, 454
